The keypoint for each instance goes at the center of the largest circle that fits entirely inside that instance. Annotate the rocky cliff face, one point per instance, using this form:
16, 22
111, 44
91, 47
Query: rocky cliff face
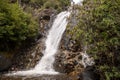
46, 18
68, 59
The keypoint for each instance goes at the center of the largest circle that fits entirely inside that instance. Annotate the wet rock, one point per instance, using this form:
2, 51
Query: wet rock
46, 18
89, 74
5, 63
46, 14
67, 62
67, 43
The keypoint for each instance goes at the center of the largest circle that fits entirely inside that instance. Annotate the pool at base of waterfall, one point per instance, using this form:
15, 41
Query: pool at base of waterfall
39, 77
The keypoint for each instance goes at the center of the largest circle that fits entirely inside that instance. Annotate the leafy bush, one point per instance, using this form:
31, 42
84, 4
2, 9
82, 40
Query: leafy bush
15, 25
99, 29
55, 4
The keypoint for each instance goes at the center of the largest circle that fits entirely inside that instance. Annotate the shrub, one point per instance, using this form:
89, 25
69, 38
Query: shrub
15, 25
99, 29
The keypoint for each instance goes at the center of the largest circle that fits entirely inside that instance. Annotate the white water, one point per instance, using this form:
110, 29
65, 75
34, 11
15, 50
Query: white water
77, 1
52, 42
86, 60
45, 65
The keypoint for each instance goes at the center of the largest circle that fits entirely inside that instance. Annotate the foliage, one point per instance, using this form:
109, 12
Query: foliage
99, 29
15, 25
55, 4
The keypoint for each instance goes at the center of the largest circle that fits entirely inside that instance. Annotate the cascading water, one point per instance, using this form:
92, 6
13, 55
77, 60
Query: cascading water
45, 65
52, 42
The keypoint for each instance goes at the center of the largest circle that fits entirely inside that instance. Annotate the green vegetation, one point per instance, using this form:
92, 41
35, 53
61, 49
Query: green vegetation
19, 22
99, 29
58, 5
15, 25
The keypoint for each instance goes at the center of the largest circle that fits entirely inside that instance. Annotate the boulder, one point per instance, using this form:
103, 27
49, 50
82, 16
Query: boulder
5, 63
46, 14
89, 74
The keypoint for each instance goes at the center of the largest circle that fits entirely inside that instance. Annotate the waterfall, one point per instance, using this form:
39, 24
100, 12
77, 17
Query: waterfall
45, 65
52, 42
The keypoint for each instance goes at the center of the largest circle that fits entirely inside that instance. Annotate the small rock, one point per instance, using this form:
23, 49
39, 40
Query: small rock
89, 74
